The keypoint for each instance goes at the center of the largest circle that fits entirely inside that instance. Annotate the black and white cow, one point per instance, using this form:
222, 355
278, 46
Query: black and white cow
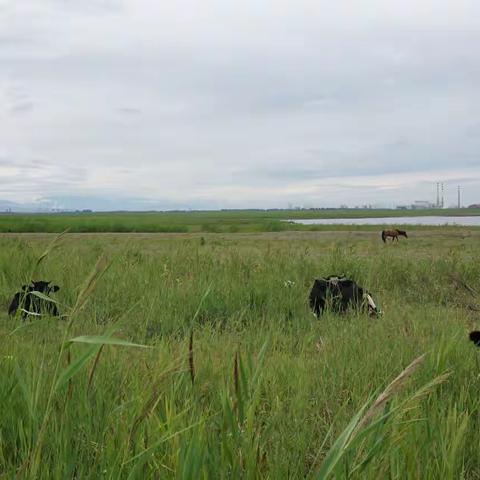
30, 303
339, 293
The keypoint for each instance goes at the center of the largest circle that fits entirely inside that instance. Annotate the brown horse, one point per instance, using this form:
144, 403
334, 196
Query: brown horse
394, 234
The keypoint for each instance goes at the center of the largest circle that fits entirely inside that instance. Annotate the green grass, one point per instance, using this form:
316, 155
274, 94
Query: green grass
276, 393
227, 221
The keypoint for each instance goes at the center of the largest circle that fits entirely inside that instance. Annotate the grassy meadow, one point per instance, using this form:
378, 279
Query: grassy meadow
224, 221
187, 356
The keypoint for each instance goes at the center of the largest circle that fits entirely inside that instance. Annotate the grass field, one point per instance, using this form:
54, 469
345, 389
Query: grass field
227, 221
276, 393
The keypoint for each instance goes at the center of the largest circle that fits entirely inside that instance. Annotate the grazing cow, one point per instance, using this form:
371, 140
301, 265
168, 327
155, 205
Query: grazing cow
338, 293
29, 302
475, 337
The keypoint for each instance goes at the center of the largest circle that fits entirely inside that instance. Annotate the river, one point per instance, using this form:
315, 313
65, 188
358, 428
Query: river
467, 221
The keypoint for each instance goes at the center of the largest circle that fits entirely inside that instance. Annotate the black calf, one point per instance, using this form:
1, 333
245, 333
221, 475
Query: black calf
29, 302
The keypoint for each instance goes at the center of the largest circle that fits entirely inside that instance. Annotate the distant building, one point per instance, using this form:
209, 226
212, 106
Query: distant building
402, 207
474, 205
419, 204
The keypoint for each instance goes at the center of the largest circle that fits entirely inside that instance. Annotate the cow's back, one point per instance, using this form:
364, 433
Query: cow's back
351, 294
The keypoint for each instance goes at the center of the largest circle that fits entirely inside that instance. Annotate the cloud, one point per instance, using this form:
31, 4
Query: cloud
130, 110
25, 180
239, 103
21, 107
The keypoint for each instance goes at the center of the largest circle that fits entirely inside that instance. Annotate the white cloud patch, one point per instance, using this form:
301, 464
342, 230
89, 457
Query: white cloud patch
230, 104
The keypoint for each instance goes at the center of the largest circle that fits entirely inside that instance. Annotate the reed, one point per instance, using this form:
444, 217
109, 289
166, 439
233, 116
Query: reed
106, 390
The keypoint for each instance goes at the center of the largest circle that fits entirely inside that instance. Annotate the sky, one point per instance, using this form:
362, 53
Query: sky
144, 104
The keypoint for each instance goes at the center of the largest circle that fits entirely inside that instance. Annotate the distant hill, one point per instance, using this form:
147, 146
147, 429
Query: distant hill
6, 206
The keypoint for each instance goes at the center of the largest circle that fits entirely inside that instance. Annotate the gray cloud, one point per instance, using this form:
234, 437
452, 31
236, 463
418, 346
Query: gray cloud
89, 6
21, 107
130, 110
235, 104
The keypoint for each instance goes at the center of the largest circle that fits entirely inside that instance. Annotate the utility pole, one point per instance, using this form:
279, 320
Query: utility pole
458, 195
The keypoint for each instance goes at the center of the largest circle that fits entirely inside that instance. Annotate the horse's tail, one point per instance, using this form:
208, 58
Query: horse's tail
384, 237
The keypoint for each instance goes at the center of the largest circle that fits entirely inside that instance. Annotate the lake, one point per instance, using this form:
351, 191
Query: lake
467, 221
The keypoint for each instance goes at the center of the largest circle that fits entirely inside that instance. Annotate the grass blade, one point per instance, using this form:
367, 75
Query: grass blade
190, 358
105, 340
395, 386
100, 268
43, 296
74, 367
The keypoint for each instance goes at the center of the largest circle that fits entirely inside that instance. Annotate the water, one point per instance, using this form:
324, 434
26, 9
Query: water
467, 221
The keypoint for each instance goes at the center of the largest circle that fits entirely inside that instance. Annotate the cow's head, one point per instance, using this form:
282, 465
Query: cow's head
373, 310
43, 287
475, 337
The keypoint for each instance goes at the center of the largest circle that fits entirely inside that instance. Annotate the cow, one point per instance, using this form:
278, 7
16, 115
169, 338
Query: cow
30, 303
339, 293
475, 337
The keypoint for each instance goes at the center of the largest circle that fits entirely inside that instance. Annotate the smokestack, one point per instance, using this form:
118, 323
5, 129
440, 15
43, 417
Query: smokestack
438, 195
458, 202
443, 197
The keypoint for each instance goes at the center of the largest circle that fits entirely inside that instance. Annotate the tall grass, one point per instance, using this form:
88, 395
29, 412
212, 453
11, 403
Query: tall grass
239, 380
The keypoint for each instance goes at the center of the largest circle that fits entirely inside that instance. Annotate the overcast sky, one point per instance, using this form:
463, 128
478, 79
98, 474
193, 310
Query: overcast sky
135, 104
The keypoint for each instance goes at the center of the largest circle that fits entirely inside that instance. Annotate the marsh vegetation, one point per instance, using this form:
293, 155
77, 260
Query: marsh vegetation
196, 356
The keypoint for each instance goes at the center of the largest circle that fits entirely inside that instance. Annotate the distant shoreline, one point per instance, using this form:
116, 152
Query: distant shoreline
215, 221
276, 212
